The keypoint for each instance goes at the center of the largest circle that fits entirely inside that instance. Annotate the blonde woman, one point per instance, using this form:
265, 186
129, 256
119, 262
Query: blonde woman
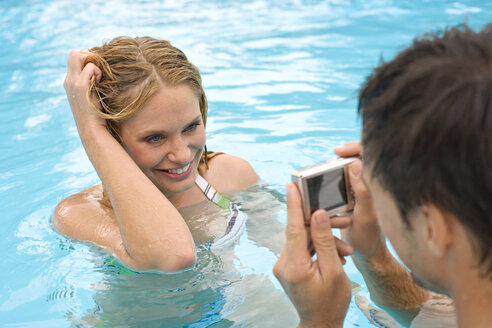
141, 111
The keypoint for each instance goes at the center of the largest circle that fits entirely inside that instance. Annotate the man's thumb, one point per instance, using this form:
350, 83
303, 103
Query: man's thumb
323, 239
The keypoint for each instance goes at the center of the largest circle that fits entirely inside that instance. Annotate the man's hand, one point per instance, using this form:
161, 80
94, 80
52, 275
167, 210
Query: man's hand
364, 234
320, 290
389, 283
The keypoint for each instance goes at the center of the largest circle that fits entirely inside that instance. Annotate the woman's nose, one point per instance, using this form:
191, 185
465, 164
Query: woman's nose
179, 152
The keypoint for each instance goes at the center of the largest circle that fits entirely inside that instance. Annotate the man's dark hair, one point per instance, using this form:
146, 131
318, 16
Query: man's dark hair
427, 129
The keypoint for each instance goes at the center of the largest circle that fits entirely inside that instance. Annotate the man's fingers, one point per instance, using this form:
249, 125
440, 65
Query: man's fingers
342, 260
362, 196
349, 149
296, 234
324, 241
295, 256
343, 234
278, 266
340, 222
343, 248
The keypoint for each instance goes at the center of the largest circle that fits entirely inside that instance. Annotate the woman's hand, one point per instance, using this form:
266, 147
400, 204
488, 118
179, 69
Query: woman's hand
320, 290
77, 84
364, 234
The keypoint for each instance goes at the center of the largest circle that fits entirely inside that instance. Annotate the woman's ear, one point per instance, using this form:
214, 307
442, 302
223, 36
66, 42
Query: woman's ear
439, 231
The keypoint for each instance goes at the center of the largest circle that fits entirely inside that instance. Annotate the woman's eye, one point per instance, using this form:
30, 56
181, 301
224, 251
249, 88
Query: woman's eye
192, 126
154, 139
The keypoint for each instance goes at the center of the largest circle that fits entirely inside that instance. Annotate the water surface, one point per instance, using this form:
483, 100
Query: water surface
281, 78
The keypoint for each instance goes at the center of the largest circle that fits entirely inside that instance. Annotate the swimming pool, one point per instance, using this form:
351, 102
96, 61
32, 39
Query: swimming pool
281, 79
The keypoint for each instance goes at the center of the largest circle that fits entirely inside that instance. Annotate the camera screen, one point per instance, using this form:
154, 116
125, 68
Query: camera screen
328, 190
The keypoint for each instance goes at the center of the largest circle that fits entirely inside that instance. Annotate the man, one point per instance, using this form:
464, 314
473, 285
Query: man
426, 185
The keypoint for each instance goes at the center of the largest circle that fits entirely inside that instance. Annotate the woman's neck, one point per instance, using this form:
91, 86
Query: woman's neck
186, 198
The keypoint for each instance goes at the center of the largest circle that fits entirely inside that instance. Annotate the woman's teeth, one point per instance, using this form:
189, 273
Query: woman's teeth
180, 170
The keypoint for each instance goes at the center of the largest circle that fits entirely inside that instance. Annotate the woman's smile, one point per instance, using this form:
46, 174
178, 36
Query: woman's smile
179, 172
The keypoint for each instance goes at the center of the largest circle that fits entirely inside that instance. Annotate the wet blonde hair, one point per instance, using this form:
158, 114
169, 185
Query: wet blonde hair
132, 72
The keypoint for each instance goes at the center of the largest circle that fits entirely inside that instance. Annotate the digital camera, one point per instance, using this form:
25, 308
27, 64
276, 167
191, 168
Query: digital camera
325, 186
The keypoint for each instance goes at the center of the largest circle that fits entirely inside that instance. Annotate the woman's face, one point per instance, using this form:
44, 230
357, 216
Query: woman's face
166, 138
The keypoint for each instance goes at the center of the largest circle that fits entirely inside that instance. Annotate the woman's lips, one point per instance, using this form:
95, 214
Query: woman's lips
178, 173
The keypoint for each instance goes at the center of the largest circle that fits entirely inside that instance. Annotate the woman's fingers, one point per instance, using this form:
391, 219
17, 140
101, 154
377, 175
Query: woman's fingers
75, 61
79, 76
75, 69
89, 71
75, 65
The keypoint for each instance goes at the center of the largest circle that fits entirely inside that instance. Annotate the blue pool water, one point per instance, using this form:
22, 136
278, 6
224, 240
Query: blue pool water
281, 78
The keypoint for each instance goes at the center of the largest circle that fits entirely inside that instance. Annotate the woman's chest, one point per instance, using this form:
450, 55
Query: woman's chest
206, 221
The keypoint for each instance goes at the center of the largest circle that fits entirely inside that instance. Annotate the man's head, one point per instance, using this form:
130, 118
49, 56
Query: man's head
427, 132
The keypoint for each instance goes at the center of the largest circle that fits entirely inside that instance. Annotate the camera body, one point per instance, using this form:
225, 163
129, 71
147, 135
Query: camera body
325, 186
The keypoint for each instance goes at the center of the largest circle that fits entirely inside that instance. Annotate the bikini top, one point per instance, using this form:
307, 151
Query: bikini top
236, 219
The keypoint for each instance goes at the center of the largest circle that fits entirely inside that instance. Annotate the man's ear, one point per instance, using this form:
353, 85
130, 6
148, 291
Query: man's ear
439, 229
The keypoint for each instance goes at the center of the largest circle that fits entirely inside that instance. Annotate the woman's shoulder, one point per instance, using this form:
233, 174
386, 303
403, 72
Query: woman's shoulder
82, 206
229, 173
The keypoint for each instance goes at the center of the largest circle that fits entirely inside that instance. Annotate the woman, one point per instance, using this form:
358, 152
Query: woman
141, 112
